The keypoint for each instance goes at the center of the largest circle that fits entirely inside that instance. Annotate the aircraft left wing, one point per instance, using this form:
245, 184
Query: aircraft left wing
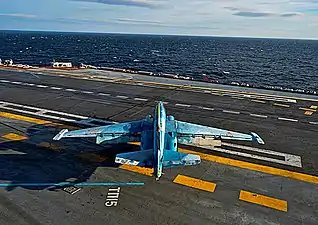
188, 133
110, 132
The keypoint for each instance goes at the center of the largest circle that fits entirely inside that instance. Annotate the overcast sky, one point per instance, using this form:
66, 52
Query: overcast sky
252, 18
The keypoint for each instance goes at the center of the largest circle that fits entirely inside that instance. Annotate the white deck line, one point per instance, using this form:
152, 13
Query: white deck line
291, 160
287, 119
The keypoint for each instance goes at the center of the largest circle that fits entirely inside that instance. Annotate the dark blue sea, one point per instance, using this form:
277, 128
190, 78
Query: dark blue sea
285, 63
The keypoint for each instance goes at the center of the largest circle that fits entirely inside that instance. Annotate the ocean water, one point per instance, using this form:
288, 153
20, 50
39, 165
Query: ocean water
259, 62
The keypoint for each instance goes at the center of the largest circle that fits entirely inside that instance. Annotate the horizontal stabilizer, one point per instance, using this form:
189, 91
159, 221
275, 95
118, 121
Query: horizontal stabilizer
138, 158
172, 159
60, 134
257, 138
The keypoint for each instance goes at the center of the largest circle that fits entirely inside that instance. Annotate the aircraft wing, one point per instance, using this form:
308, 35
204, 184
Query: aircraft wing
189, 133
110, 132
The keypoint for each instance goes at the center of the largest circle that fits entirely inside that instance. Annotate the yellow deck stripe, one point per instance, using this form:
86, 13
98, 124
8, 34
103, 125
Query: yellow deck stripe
91, 157
50, 146
14, 137
195, 183
137, 169
216, 94
255, 167
23, 118
33, 120
240, 98
237, 163
306, 109
263, 200
259, 101
282, 105
309, 113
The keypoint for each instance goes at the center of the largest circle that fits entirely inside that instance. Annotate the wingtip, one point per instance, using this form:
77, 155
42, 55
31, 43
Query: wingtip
257, 138
60, 135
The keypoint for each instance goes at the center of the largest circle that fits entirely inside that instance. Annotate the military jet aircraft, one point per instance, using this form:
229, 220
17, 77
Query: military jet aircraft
159, 136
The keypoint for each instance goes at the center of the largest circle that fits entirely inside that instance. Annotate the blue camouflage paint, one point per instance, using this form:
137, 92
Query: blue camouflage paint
159, 136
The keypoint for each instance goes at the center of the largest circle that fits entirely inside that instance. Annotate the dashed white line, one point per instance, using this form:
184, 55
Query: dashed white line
41, 86
257, 115
103, 94
16, 82
316, 123
56, 88
287, 119
205, 108
140, 99
207, 91
4, 81
182, 105
72, 90
233, 112
120, 96
87, 92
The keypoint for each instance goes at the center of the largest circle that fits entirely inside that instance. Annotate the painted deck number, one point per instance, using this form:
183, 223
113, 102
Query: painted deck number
112, 197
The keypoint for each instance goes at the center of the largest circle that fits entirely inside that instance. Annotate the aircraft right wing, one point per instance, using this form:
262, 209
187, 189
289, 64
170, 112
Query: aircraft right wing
110, 132
188, 133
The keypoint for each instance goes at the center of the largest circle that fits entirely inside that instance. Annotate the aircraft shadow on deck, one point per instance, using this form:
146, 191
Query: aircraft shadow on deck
39, 159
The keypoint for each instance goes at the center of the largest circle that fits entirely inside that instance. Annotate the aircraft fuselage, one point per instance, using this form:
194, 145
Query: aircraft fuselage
159, 138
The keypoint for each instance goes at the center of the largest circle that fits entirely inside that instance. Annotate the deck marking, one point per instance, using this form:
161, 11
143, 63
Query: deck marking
222, 160
232, 112
287, 119
309, 113
255, 167
205, 108
42, 86
182, 105
306, 109
257, 115
4, 81
213, 93
69, 89
56, 88
137, 169
23, 118
263, 200
313, 107
121, 96
103, 94
16, 82
240, 98
14, 137
91, 157
87, 92
259, 101
195, 183
291, 160
282, 105
50, 146
140, 99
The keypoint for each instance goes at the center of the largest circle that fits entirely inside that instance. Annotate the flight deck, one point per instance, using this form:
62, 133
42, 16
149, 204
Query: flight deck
236, 183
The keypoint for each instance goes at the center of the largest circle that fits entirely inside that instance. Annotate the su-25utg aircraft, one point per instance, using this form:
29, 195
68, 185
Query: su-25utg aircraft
159, 136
